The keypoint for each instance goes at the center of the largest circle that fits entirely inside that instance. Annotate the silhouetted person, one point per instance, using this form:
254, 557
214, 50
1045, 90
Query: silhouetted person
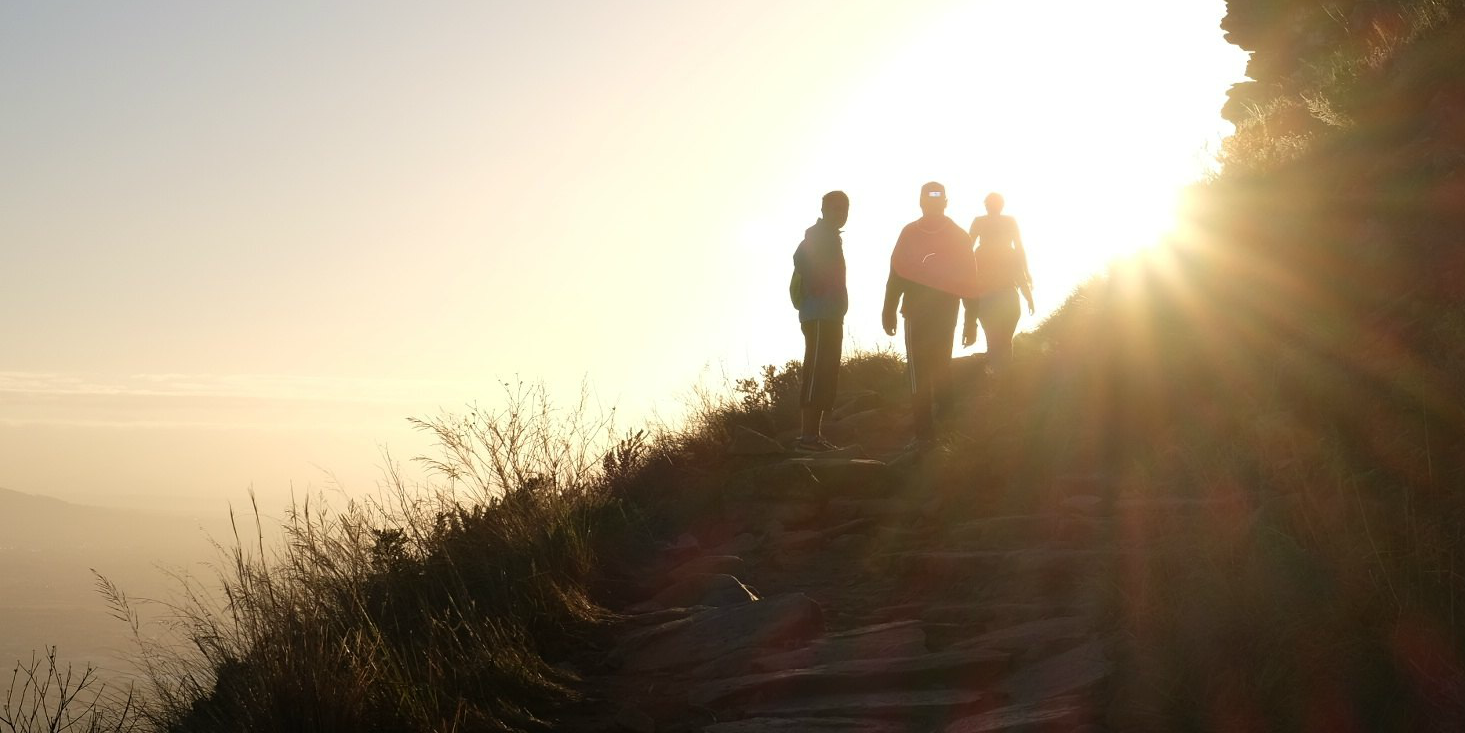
930, 270
1002, 272
819, 262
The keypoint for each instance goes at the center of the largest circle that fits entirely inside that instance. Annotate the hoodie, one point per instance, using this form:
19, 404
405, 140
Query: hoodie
819, 260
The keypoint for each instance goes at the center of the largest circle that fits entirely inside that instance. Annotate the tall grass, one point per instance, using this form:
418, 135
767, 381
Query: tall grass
439, 606
45, 696
768, 402
1296, 362
461, 603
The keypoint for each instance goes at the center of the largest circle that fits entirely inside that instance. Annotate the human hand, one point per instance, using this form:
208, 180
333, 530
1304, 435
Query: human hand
969, 334
887, 319
1031, 310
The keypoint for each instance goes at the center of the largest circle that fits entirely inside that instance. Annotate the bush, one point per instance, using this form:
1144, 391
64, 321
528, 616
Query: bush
431, 608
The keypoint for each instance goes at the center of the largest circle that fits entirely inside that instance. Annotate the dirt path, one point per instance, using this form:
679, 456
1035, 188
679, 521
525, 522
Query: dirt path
835, 594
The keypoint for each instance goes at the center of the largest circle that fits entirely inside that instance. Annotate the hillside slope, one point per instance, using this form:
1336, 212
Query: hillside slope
1267, 417
1223, 488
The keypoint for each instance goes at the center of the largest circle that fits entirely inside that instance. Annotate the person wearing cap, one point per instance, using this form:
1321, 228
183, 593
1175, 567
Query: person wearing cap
1002, 273
824, 300
931, 270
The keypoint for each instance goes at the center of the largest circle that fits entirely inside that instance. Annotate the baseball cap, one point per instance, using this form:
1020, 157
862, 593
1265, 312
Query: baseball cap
933, 190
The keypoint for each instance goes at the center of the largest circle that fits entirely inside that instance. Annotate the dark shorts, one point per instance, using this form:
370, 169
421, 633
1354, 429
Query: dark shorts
999, 312
820, 375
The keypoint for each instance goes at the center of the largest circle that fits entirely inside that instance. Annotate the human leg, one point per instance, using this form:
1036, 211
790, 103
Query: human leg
942, 334
823, 340
811, 422
998, 313
916, 380
928, 362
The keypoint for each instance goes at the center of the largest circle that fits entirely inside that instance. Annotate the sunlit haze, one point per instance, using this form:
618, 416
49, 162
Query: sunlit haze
240, 244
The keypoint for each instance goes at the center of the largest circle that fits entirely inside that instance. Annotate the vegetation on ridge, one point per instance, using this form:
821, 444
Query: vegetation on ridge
1295, 357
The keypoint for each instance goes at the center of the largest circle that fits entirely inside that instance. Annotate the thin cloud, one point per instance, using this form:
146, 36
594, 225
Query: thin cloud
218, 402
271, 387
345, 426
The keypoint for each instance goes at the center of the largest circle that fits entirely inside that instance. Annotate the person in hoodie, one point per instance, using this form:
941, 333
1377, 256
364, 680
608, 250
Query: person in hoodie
819, 263
931, 272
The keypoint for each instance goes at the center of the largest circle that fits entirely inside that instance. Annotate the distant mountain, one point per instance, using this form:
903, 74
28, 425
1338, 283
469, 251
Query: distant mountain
38, 522
49, 550
20, 500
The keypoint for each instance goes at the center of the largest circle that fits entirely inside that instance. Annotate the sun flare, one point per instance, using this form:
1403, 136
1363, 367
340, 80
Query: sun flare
1087, 131
649, 164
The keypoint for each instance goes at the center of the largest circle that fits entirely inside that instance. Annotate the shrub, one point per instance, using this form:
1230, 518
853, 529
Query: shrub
429, 608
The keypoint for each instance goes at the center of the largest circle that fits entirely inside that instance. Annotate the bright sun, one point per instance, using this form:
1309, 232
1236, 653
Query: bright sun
1088, 121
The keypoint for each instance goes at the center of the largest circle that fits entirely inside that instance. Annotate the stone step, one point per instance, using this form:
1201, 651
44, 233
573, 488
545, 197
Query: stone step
1040, 637
846, 477
959, 565
988, 615
879, 508
974, 668
902, 639
1181, 504
909, 707
807, 725
706, 589
873, 425
1092, 504
726, 564
1072, 671
880, 641
782, 480
1070, 714
1028, 531
781, 622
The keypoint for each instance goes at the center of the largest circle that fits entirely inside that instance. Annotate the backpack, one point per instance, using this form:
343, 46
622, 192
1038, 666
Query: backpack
796, 289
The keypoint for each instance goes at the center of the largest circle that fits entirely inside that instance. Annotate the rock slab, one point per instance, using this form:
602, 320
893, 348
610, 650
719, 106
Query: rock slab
707, 589
782, 622
970, 667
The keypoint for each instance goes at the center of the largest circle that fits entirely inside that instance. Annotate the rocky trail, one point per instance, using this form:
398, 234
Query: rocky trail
841, 592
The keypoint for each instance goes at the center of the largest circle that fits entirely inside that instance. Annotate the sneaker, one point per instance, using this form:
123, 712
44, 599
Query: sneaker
814, 445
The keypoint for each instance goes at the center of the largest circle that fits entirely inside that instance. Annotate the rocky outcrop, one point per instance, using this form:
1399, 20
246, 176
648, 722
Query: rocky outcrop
702, 589
828, 593
1000, 632
784, 622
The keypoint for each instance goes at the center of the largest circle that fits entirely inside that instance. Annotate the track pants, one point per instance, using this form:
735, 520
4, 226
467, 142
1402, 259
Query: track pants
928, 340
820, 373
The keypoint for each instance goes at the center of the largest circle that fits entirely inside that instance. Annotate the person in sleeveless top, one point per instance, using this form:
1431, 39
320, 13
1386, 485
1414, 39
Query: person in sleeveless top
1002, 273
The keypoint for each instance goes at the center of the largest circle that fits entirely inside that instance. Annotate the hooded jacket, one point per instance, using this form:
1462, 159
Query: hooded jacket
819, 260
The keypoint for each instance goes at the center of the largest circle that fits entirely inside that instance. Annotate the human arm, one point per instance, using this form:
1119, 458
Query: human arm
894, 289
969, 305
969, 326
1025, 282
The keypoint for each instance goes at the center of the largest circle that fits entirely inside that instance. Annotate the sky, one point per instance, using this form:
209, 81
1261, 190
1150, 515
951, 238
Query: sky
241, 243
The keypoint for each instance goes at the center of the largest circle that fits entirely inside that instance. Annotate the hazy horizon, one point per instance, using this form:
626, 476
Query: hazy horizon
242, 245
